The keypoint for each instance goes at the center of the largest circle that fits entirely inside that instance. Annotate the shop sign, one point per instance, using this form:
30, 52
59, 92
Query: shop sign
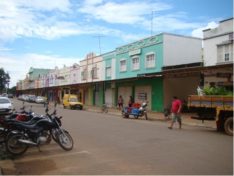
134, 52
142, 96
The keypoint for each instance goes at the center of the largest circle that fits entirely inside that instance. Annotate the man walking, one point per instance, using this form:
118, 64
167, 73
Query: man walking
175, 112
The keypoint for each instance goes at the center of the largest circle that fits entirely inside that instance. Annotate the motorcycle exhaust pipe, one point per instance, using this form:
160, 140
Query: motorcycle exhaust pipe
24, 141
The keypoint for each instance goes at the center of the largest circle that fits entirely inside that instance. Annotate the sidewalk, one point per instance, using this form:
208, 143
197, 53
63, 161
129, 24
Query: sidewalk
157, 116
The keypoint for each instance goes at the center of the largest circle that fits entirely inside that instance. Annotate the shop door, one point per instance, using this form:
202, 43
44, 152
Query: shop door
125, 92
108, 97
86, 98
143, 94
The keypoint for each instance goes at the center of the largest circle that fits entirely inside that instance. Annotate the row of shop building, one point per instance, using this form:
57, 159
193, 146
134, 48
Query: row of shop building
152, 69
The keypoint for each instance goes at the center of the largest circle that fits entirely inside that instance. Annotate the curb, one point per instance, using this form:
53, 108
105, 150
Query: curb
152, 117
8, 166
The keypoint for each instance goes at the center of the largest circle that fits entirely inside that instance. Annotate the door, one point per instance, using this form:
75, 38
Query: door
108, 97
143, 94
125, 92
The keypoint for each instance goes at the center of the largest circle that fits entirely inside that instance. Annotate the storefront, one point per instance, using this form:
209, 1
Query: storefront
143, 89
143, 94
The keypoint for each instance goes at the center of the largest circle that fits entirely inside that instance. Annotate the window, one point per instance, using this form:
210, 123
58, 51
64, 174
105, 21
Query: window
84, 74
123, 65
135, 63
150, 60
226, 51
226, 57
94, 73
108, 71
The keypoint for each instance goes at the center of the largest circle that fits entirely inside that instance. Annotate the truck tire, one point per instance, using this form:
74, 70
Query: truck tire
228, 126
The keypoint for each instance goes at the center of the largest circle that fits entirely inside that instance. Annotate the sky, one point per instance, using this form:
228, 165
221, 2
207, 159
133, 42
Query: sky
49, 33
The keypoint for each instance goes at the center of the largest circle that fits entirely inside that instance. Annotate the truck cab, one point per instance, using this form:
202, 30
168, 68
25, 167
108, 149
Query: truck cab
71, 101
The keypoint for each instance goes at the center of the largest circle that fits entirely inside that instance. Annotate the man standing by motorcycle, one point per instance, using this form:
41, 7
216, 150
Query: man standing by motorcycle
175, 112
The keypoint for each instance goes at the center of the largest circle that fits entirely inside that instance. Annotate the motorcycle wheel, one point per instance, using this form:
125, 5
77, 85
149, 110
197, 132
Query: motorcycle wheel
65, 140
2, 135
14, 147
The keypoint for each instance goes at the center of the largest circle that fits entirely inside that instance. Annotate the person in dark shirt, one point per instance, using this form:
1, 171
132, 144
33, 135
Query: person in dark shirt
130, 102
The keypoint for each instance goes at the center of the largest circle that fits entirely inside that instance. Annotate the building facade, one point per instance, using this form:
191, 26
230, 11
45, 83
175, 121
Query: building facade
151, 70
218, 44
218, 51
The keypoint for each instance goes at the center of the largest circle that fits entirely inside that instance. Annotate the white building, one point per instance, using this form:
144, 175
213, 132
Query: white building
218, 44
92, 69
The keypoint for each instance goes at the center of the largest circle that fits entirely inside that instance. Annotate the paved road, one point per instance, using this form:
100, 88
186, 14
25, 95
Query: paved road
108, 144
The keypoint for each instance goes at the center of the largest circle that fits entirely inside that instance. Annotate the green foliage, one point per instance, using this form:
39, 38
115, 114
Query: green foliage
217, 91
4, 79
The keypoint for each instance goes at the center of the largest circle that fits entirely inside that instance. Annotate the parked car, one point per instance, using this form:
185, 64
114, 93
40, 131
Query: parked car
4, 95
10, 96
6, 106
40, 99
32, 98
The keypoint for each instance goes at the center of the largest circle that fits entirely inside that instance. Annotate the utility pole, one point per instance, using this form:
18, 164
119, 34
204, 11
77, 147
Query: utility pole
99, 43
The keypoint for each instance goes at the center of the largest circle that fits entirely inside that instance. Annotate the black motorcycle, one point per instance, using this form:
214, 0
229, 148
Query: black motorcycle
36, 134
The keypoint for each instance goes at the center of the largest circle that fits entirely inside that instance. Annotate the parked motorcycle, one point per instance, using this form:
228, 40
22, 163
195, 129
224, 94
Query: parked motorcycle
7, 123
135, 111
36, 134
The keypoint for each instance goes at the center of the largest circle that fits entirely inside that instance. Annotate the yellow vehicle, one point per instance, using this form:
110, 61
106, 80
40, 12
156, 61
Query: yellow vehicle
214, 107
71, 101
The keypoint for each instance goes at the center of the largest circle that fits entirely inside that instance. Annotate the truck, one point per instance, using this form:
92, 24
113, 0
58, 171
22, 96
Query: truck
214, 107
71, 101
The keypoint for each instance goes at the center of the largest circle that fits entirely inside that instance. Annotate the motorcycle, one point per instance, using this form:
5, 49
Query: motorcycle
135, 111
36, 134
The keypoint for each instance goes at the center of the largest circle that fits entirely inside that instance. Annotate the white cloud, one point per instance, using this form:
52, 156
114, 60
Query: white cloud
26, 18
18, 66
123, 13
198, 32
92, 2
42, 5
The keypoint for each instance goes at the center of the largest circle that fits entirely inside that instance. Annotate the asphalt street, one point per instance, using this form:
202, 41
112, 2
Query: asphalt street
109, 144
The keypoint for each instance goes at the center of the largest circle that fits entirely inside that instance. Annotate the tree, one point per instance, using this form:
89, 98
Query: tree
4, 80
12, 90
